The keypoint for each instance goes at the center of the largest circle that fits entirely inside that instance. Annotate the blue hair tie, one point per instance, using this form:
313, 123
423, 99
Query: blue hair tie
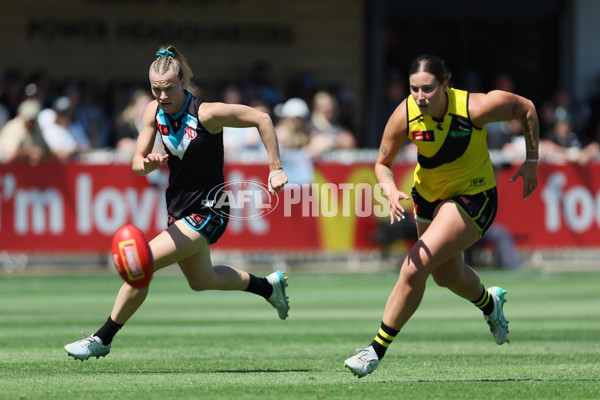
165, 53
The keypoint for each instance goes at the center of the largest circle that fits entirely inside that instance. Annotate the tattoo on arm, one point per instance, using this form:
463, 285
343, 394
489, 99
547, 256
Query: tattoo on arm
383, 151
531, 132
515, 110
274, 166
388, 175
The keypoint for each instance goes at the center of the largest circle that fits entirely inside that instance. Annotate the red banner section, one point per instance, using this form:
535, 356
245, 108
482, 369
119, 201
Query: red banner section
564, 211
72, 207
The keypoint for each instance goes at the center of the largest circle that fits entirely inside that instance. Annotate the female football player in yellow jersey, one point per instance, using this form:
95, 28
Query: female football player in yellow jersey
454, 194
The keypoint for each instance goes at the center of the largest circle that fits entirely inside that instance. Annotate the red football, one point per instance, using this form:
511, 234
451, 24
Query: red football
132, 256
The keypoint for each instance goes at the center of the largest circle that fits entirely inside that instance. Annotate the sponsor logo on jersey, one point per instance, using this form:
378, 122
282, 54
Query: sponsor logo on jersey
425, 136
478, 182
195, 220
459, 133
164, 129
472, 207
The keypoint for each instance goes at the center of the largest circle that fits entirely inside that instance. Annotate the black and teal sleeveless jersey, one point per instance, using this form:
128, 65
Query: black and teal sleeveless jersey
195, 158
453, 157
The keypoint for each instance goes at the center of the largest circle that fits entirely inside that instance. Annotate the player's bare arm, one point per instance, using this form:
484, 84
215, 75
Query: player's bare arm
215, 116
498, 105
394, 136
144, 161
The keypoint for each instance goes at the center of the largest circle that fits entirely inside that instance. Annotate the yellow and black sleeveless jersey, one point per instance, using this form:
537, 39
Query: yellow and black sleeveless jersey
453, 155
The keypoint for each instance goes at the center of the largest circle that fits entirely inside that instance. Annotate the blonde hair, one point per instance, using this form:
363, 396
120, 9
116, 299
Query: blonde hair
323, 96
168, 58
130, 113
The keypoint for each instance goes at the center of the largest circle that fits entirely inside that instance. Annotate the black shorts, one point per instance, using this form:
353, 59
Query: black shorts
211, 223
480, 207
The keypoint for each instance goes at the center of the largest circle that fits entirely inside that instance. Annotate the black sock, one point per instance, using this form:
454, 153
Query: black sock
383, 339
484, 302
108, 331
259, 286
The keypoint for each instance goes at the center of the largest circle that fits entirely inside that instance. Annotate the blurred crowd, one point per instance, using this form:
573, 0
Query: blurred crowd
45, 118
569, 130
41, 118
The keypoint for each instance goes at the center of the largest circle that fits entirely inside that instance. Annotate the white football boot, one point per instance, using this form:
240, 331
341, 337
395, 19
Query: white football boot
278, 298
90, 346
362, 364
498, 324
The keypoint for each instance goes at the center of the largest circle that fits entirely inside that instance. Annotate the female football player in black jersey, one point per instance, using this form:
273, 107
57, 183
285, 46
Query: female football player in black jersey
192, 133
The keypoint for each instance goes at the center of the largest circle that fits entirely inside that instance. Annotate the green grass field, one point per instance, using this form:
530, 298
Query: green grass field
231, 345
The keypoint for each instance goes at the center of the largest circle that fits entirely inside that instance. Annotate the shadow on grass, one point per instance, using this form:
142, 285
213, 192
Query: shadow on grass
510, 380
194, 371
253, 371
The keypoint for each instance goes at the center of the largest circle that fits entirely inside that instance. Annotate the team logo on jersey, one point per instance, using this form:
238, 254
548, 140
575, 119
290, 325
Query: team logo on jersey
190, 133
425, 136
164, 129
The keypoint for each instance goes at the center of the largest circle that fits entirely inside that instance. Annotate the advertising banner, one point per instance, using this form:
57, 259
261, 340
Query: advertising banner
75, 207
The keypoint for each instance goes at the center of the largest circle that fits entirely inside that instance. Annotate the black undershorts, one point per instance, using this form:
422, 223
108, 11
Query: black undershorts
480, 207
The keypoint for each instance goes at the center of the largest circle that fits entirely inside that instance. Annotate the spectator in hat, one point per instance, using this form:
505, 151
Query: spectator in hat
293, 134
292, 125
64, 136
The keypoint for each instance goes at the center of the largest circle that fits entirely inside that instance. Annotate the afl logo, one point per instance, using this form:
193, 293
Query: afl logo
247, 199
190, 133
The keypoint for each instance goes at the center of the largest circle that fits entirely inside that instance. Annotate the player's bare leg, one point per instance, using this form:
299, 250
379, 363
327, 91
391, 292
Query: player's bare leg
439, 247
202, 275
